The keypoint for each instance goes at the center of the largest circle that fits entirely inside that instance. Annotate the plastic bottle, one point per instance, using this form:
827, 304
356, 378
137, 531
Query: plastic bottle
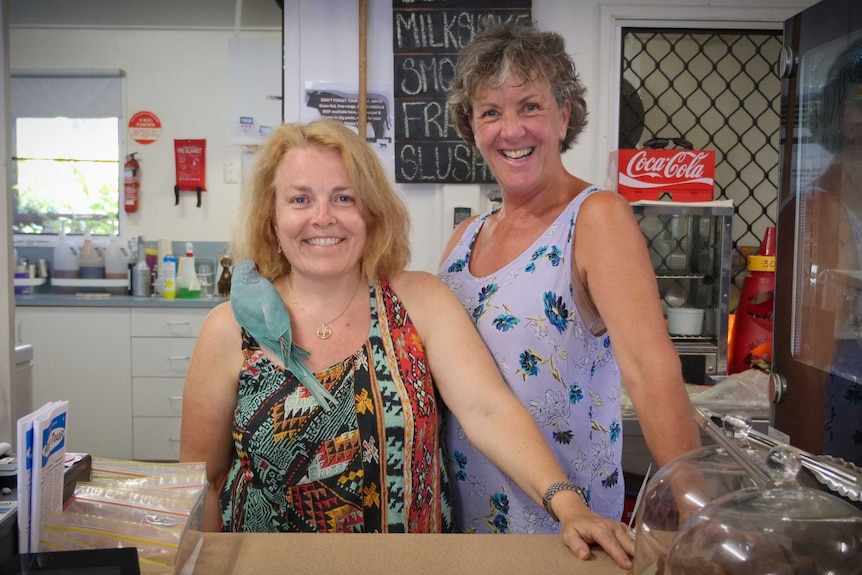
22, 272
152, 259
751, 335
92, 263
169, 281
116, 266
164, 248
188, 285
141, 280
65, 263
133, 259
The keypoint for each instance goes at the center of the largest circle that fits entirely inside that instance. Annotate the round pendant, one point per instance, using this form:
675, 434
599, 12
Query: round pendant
323, 332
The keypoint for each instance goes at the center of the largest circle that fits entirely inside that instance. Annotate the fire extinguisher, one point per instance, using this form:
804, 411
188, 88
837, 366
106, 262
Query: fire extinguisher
131, 183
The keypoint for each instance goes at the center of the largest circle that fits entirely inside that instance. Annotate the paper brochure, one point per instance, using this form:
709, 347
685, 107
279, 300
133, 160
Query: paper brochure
41, 466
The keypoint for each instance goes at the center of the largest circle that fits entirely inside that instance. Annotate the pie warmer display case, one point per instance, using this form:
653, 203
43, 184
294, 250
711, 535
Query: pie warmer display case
690, 246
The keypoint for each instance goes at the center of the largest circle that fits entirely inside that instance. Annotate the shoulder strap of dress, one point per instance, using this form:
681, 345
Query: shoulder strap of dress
589, 314
465, 242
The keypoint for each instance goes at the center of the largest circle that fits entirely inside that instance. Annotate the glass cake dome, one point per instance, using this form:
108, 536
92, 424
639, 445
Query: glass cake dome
781, 528
687, 484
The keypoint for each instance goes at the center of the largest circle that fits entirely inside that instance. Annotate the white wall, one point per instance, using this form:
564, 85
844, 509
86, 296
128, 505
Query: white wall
181, 76
589, 27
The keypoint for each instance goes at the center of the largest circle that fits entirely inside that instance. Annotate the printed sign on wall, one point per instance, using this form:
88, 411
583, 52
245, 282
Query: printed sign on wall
145, 127
340, 102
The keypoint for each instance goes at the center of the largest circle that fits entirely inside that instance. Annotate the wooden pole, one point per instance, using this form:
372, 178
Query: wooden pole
363, 67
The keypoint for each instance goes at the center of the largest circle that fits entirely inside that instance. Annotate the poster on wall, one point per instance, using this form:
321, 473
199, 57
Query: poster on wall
426, 39
341, 102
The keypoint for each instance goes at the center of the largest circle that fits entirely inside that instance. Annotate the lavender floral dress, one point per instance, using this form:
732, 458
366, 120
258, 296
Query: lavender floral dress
567, 377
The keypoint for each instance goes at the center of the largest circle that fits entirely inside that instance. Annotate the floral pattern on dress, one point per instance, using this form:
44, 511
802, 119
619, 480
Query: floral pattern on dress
566, 377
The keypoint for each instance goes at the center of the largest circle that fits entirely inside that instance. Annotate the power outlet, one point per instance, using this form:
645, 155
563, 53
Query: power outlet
231, 172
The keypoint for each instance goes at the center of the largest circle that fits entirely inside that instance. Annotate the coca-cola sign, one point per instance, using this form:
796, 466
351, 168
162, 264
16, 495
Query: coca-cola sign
688, 175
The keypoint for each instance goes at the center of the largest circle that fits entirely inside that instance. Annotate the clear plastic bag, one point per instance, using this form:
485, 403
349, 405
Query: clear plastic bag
148, 506
145, 508
746, 391
157, 545
107, 468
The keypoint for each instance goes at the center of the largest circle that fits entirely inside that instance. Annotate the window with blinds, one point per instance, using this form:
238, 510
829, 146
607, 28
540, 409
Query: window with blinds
66, 142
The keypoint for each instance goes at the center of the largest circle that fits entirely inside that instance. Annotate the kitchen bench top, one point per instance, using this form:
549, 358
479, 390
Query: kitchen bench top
111, 300
255, 553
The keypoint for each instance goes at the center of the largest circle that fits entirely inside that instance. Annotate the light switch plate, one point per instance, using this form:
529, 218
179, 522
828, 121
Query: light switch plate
231, 172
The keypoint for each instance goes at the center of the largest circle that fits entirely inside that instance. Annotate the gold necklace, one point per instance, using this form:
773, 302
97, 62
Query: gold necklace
323, 330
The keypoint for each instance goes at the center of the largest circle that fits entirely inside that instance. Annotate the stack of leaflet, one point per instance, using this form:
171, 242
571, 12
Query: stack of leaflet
148, 506
41, 465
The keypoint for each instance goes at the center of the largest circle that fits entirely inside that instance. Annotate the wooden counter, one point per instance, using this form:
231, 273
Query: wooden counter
262, 553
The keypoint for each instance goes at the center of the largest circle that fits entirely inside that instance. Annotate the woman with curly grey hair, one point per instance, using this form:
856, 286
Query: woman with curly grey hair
559, 283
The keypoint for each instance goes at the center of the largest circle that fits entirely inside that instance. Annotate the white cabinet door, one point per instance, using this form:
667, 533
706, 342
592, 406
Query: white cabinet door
83, 355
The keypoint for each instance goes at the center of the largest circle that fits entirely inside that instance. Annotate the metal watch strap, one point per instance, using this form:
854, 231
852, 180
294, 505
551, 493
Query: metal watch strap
557, 487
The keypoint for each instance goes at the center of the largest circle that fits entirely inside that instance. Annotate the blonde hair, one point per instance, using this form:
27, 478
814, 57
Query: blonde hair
519, 48
387, 251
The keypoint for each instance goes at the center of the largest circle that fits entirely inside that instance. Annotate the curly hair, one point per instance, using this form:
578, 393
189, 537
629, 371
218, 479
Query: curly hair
387, 251
516, 47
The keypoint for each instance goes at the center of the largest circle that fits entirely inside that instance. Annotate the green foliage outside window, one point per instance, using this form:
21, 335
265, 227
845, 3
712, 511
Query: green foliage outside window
67, 175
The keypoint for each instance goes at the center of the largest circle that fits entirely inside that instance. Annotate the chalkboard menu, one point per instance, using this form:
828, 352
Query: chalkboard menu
427, 36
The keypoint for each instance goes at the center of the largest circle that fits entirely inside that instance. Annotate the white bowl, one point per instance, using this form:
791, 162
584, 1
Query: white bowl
684, 320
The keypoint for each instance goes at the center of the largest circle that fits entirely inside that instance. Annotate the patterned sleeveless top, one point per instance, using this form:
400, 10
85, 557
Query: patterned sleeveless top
565, 376
373, 463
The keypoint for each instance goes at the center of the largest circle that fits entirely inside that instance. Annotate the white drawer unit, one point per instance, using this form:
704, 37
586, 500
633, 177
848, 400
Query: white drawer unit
161, 356
162, 345
157, 396
186, 322
157, 438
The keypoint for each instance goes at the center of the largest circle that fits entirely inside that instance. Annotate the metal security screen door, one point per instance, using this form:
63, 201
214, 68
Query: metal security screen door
718, 90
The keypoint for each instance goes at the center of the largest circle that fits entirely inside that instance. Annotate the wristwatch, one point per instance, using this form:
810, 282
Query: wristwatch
561, 486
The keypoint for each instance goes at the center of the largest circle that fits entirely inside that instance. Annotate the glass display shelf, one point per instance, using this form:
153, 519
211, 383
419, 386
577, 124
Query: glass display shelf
690, 245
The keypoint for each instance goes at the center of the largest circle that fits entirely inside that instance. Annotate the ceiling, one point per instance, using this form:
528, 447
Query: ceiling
177, 14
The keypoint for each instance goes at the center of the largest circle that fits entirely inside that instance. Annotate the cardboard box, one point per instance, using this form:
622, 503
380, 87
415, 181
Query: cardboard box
687, 175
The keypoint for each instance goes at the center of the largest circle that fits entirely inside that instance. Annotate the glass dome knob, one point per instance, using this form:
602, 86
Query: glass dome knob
737, 424
783, 464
